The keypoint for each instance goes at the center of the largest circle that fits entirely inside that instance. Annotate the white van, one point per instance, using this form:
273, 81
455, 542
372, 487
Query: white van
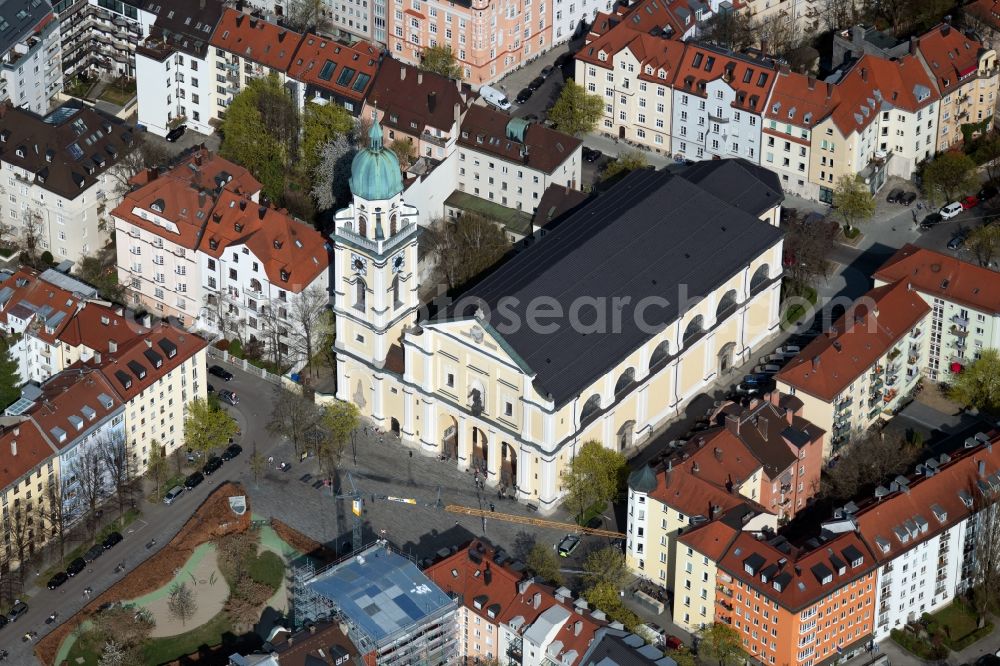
495, 97
173, 494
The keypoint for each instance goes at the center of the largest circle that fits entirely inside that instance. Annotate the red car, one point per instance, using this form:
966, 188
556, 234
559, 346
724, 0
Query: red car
673, 643
969, 202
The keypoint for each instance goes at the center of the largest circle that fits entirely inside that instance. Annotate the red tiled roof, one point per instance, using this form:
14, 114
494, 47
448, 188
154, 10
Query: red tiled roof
944, 276
930, 505
32, 291
801, 100
752, 79
950, 55
653, 53
345, 69
22, 449
96, 324
255, 39
711, 539
686, 491
71, 402
828, 364
987, 11
902, 84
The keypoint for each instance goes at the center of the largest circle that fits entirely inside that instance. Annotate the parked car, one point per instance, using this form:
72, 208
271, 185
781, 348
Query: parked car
969, 202
768, 369
930, 220
894, 196
569, 543
232, 451
93, 553
221, 373
537, 83
548, 69
747, 389
593, 155
988, 192
951, 210
76, 566
213, 465
112, 540
673, 643
229, 397
524, 95
176, 133
173, 494
788, 350
57, 580
495, 98
211, 389
17, 610
956, 242
193, 480
907, 198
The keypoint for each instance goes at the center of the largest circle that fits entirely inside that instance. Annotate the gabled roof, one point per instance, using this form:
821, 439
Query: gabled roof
72, 402
987, 11
27, 296
749, 187
876, 322
800, 100
345, 69
255, 39
487, 130
951, 56
181, 25
410, 100
22, 449
944, 276
875, 84
750, 77
711, 539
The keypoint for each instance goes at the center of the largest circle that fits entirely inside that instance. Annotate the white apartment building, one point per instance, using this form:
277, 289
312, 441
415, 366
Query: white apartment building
30, 55
175, 77
511, 161
59, 177
99, 36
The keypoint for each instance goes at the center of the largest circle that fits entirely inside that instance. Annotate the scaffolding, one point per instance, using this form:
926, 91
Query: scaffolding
307, 605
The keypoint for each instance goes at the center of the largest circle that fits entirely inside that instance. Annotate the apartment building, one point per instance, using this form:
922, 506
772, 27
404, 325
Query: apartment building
176, 82
963, 298
856, 373
62, 176
798, 605
798, 103
965, 73
159, 226
640, 110
511, 161
489, 40
329, 72
503, 615
30, 55
245, 47
30, 469
424, 107
99, 37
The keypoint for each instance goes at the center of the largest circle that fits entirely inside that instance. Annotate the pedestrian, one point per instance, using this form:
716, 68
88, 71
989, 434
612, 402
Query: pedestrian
493, 507
914, 215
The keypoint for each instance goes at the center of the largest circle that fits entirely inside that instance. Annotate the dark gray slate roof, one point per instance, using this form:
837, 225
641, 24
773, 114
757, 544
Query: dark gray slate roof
751, 188
644, 237
18, 18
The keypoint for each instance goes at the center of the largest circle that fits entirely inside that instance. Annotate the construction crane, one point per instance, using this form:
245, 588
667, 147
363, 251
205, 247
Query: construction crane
534, 522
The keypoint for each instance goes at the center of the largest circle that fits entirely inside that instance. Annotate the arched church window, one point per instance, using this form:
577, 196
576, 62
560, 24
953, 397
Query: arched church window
396, 302
362, 226
359, 295
393, 226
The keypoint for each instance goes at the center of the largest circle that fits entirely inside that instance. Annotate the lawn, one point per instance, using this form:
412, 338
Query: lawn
951, 628
119, 93
796, 311
267, 568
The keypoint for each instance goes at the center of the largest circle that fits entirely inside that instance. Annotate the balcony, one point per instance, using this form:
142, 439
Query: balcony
958, 343
440, 141
725, 604
255, 294
959, 331
844, 404
916, 334
960, 321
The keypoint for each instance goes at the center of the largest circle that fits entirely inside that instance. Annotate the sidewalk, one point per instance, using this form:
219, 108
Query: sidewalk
988, 645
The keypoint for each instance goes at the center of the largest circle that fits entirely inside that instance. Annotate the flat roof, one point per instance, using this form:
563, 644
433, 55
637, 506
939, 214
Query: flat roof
380, 591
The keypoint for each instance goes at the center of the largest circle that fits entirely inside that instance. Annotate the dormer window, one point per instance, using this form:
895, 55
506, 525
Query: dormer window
158, 205
20, 151
284, 276
213, 244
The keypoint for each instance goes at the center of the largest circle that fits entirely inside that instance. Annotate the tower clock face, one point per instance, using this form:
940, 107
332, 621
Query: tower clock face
359, 264
398, 264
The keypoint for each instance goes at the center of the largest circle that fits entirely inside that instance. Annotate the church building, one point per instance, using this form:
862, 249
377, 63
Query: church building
602, 330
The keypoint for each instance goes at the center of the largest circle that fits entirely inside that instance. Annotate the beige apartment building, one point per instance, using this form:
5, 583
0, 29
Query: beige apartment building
489, 39
857, 373
483, 384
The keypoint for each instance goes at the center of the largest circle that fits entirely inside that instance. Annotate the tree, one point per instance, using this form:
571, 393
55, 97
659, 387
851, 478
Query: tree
59, 512
244, 604
293, 416
257, 463
260, 132
91, 482
307, 15
19, 528
542, 564
576, 111
10, 377
608, 599
627, 161
405, 151
118, 459
181, 603
235, 552
309, 316
99, 270
143, 153
984, 243
112, 654
853, 201
156, 466
322, 123
721, 643
31, 234
466, 247
949, 175
594, 476
867, 461
331, 176
732, 30
124, 625
978, 385
606, 565
207, 429
807, 249
441, 60
338, 421
985, 584
987, 154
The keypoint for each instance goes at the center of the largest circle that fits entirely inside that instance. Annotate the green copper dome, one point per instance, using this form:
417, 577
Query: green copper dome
375, 173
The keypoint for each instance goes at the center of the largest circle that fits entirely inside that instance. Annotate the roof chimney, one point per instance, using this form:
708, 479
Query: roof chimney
13, 447
857, 41
261, 211
982, 468
420, 78
811, 82
458, 115
536, 601
577, 628
914, 45
402, 72
201, 198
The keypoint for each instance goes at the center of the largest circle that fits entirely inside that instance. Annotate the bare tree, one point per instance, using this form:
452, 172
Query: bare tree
87, 471
118, 459
985, 584
181, 603
224, 313
868, 461
143, 153
31, 233
274, 332
22, 529
59, 511
309, 317
332, 174
465, 247
293, 416
303, 15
